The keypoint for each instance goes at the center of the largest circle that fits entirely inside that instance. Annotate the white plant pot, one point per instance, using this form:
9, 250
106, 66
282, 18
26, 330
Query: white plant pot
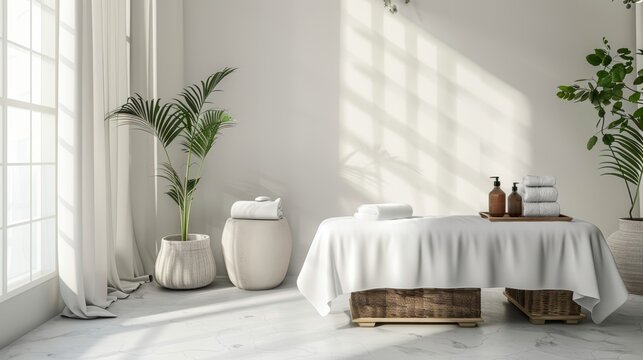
185, 264
627, 247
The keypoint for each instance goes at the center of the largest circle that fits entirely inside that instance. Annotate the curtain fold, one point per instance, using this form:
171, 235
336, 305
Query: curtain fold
98, 256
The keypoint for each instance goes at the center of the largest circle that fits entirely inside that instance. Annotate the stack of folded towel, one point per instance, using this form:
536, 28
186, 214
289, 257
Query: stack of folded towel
262, 208
539, 196
384, 211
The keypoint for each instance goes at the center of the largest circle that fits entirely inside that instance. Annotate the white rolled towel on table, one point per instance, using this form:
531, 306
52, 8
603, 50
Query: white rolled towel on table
384, 211
535, 180
540, 209
538, 194
257, 210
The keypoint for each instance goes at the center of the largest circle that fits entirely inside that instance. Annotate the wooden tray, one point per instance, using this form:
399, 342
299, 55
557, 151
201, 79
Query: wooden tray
561, 217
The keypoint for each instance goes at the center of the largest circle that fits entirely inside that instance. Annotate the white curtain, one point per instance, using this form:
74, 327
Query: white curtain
97, 253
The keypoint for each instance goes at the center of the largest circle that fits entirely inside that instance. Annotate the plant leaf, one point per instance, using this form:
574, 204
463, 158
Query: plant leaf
592, 141
594, 59
150, 116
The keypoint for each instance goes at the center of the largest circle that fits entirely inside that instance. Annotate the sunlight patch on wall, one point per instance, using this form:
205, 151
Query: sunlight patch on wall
419, 122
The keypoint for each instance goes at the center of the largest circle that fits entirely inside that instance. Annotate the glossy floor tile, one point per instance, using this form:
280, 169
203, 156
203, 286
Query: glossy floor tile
222, 322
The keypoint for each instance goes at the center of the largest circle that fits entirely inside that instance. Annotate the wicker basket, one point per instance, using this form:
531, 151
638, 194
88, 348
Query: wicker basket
416, 303
545, 302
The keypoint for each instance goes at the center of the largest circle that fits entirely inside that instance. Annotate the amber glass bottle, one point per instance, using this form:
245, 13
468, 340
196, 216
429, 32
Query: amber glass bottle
514, 202
497, 199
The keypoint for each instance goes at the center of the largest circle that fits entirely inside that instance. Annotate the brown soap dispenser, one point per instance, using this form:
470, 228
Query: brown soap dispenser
514, 202
497, 199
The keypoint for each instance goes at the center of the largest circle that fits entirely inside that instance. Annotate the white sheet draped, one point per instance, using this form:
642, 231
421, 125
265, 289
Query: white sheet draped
349, 255
97, 253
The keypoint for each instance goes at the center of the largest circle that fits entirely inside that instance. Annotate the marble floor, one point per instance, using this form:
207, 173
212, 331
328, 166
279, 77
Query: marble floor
222, 322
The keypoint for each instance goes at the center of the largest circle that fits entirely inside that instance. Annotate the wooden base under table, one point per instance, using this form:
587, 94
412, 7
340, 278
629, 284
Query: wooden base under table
545, 305
427, 306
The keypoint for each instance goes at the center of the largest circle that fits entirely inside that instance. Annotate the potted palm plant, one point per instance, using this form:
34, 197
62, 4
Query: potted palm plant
614, 95
185, 260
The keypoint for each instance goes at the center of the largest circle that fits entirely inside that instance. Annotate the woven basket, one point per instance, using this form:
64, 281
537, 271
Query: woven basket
416, 303
545, 302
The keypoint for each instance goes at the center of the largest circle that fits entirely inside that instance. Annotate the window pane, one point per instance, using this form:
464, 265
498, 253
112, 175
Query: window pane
1, 216
43, 141
18, 20
18, 244
1, 67
1, 35
1, 139
43, 248
18, 201
43, 29
43, 81
43, 193
17, 73
1, 267
18, 142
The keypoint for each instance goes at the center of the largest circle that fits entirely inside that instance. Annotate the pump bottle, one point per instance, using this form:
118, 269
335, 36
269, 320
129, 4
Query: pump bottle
497, 199
514, 202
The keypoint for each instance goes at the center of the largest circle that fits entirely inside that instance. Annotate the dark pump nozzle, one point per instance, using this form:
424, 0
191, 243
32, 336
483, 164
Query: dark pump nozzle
515, 187
497, 181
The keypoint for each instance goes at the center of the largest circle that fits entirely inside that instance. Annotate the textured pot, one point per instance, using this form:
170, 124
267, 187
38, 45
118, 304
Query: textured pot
185, 264
627, 247
256, 252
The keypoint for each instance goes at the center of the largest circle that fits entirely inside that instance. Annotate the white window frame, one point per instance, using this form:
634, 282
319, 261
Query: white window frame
51, 110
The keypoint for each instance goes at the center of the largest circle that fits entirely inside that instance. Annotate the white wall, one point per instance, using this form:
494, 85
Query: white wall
340, 103
24, 312
156, 71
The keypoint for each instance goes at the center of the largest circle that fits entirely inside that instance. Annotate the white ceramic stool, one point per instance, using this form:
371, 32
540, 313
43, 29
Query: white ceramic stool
256, 252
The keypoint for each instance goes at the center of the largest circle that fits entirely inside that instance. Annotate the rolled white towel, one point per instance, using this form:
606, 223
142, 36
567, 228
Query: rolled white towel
540, 209
384, 211
257, 210
538, 194
535, 180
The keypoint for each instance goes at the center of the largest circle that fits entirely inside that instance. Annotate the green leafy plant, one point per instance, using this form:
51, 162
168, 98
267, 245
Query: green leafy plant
188, 119
629, 3
613, 94
390, 5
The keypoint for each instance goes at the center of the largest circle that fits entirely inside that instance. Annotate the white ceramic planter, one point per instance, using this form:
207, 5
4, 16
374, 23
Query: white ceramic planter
627, 247
185, 264
256, 252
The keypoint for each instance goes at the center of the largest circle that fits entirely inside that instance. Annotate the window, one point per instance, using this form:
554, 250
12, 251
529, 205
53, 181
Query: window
28, 131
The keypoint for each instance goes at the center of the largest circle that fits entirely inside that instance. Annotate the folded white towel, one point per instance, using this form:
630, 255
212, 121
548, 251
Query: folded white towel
538, 194
535, 180
257, 210
540, 209
384, 211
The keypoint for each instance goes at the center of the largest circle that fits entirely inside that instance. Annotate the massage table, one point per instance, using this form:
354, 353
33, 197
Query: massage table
350, 256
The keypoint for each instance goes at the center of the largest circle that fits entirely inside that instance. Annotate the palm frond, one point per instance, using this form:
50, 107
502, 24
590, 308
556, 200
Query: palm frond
191, 187
192, 99
624, 158
175, 190
151, 116
205, 134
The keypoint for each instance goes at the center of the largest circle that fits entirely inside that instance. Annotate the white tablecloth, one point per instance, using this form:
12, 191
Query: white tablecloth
349, 255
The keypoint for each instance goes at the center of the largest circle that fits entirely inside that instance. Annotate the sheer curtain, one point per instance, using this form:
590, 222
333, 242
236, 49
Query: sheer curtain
97, 254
